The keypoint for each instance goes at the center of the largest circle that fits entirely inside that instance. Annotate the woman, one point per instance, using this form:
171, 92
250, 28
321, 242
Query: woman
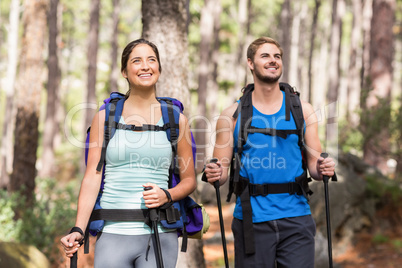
134, 160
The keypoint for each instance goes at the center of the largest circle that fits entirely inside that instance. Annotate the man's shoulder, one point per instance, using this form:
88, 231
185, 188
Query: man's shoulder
229, 111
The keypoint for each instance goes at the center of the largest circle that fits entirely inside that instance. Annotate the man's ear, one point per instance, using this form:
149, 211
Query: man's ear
250, 64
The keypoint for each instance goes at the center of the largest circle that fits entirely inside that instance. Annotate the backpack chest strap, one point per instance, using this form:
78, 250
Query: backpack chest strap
283, 133
145, 127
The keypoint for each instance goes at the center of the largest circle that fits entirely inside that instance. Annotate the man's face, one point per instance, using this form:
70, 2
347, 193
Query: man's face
267, 63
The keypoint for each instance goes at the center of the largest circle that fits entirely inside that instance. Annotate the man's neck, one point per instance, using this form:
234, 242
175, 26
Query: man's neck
267, 93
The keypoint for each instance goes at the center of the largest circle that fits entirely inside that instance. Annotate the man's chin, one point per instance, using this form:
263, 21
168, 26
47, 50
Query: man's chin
270, 80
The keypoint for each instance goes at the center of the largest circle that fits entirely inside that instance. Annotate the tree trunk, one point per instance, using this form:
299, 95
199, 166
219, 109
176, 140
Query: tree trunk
93, 39
353, 91
29, 88
240, 61
311, 51
213, 90
376, 146
334, 75
286, 26
367, 15
296, 44
6, 151
241, 66
114, 71
204, 71
54, 74
164, 23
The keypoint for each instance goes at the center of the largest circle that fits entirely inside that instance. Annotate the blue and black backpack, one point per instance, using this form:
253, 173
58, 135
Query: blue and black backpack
241, 186
186, 216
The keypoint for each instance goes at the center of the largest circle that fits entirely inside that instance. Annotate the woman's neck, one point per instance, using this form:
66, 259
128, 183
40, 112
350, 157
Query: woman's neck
142, 97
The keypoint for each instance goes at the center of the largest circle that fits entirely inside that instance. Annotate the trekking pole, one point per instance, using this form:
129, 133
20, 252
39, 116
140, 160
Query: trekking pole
325, 180
153, 216
73, 261
218, 199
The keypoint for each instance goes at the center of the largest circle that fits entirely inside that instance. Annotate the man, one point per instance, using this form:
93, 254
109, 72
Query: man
272, 219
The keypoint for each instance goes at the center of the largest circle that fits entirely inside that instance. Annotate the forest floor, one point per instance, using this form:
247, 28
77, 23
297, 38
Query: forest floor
370, 250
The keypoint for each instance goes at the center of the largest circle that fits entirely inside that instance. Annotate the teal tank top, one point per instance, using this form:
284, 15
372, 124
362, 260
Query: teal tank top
272, 159
133, 159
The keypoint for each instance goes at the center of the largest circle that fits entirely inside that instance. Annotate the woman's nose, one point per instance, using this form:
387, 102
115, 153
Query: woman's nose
144, 65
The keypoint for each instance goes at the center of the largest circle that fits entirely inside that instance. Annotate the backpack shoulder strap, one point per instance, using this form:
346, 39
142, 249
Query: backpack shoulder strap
294, 104
113, 111
245, 110
171, 116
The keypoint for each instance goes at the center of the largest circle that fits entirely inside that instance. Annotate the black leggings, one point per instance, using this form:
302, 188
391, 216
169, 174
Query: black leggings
129, 251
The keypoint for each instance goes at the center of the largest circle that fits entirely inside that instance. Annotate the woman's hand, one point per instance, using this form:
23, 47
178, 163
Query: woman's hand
71, 243
154, 197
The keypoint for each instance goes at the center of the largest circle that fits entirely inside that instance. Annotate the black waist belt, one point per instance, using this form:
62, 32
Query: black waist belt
171, 215
244, 189
265, 189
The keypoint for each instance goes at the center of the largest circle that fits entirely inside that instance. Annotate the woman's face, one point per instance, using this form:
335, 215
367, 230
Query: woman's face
142, 67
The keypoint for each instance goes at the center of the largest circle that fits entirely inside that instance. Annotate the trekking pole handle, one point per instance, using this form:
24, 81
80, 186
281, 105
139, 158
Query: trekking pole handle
153, 214
324, 177
216, 183
204, 177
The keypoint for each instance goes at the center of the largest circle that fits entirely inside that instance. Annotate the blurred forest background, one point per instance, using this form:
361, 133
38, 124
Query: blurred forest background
60, 58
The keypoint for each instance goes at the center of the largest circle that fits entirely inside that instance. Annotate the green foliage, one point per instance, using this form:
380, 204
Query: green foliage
380, 239
397, 243
380, 187
350, 138
10, 228
51, 215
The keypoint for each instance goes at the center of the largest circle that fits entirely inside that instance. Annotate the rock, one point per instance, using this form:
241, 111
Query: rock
21, 256
351, 209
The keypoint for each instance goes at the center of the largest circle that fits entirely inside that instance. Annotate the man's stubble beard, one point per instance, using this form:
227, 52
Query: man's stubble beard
267, 79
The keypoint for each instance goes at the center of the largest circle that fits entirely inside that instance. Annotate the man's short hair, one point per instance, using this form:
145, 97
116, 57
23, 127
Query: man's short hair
255, 45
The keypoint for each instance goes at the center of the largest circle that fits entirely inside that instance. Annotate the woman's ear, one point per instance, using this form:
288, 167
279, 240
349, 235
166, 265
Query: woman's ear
124, 74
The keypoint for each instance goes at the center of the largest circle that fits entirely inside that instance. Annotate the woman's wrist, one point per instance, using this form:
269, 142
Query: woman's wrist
169, 197
78, 230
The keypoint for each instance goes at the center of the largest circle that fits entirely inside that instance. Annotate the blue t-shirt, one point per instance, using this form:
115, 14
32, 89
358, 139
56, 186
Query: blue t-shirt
272, 159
